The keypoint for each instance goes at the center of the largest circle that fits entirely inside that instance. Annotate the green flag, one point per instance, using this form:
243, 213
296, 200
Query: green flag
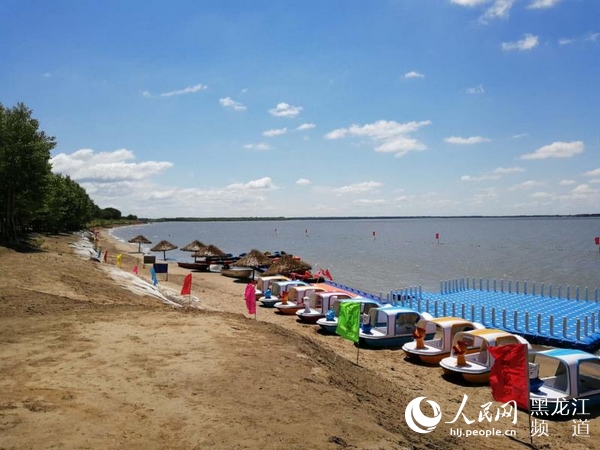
349, 321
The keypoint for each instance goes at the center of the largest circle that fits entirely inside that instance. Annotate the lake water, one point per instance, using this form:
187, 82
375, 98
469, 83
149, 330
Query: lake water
378, 255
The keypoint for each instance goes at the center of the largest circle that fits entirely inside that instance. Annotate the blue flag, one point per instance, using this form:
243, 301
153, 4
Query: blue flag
153, 274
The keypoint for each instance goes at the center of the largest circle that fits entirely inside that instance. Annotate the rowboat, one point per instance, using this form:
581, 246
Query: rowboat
199, 266
432, 351
475, 366
237, 272
567, 381
390, 327
319, 304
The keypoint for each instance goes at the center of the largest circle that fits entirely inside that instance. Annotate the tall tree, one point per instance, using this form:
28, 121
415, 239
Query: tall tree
24, 169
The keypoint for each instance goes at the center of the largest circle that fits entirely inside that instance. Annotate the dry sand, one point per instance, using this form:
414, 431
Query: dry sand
87, 364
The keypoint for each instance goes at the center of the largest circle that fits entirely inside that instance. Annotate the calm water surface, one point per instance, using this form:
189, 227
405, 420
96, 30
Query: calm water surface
404, 252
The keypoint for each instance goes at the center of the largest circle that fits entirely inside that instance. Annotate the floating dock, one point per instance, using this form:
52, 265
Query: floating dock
547, 315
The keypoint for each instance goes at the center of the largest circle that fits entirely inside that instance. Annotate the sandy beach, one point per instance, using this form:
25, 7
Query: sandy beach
86, 363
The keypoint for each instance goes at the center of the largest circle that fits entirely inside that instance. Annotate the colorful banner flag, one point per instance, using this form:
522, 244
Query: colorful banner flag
349, 321
187, 285
153, 275
119, 257
509, 375
135, 269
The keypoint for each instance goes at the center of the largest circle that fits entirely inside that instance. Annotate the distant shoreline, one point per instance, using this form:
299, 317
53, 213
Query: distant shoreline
282, 218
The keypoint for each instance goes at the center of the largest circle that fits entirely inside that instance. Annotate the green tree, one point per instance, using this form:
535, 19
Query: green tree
24, 169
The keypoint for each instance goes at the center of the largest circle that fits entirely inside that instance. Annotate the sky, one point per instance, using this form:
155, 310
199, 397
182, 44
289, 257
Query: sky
315, 108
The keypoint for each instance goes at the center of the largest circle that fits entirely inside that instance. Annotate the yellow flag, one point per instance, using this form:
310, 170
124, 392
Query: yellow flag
119, 256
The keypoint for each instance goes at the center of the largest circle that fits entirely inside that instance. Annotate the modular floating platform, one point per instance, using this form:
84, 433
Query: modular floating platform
545, 315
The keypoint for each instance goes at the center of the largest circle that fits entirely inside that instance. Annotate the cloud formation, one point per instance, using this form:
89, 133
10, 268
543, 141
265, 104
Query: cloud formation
390, 135
302, 181
528, 42
476, 90
413, 74
556, 150
228, 102
275, 132
260, 146
466, 141
87, 165
542, 4
285, 110
306, 126
366, 186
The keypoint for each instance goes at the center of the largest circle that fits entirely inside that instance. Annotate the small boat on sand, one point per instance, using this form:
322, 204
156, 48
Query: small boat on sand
199, 266
564, 378
390, 327
328, 323
237, 272
319, 304
279, 291
294, 301
474, 367
432, 351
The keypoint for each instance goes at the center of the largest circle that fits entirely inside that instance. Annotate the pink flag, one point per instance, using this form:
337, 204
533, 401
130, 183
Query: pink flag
250, 297
135, 269
187, 285
509, 375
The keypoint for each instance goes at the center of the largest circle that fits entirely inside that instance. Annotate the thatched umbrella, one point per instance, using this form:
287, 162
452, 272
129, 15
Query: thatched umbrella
286, 265
139, 239
254, 258
209, 250
163, 246
193, 246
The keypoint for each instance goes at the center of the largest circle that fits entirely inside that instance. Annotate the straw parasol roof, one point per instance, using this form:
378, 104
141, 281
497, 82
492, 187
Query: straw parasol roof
163, 246
286, 265
193, 246
209, 250
254, 258
139, 239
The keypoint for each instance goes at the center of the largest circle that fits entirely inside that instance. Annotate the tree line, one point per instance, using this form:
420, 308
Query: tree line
32, 197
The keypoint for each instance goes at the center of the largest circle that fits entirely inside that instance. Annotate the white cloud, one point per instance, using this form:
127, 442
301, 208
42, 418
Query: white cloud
541, 195
275, 132
260, 146
476, 90
285, 110
593, 173
468, 2
508, 170
556, 150
302, 181
187, 90
500, 9
86, 165
262, 184
228, 102
306, 126
146, 94
567, 182
592, 37
565, 41
528, 42
542, 4
365, 201
519, 136
391, 135
583, 191
525, 185
481, 178
413, 74
366, 186
466, 141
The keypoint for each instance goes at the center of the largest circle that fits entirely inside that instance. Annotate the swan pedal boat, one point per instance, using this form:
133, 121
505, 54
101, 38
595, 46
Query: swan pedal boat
318, 304
366, 304
566, 378
279, 290
479, 362
295, 299
390, 327
439, 346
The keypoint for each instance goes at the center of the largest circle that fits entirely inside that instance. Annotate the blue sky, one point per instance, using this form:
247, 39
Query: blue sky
315, 108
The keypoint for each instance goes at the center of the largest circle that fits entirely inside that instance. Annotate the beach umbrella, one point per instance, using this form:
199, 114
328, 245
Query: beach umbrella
139, 239
163, 246
254, 258
286, 265
209, 250
193, 246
